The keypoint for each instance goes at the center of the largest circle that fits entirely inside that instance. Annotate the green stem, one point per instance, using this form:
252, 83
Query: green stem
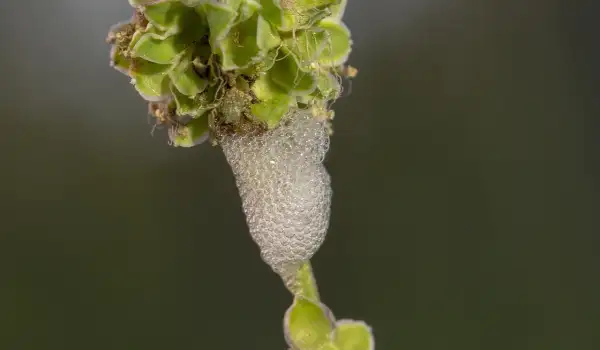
306, 285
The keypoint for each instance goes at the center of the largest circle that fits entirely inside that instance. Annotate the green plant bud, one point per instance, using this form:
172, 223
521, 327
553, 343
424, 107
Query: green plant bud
307, 324
263, 57
353, 335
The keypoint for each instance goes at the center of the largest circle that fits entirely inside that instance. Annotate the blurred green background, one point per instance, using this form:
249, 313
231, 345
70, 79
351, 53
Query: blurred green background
465, 167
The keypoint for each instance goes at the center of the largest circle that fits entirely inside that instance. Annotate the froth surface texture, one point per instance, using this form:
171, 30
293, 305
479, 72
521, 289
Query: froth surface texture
284, 187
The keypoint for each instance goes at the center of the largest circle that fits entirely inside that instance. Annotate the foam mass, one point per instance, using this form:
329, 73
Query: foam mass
284, 187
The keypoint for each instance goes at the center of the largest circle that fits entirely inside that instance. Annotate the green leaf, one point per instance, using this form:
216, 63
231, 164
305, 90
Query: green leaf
154, 49
140, 66
220, 19
302, 14
339, 43
264, 89
286, 74
240, 48
328, 86
261, 66
307, 324
185, 78
307, 46
234, 4
272, 12
172, 17
152, 87
337, 11
190, 135
119, 61
188, 106
166, 15
307, 5
266, 37
274, 102
151, 80
134, 39
353, 335
271, 111
247, 9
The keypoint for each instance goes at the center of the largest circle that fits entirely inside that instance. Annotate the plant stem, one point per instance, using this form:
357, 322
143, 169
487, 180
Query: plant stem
306, 285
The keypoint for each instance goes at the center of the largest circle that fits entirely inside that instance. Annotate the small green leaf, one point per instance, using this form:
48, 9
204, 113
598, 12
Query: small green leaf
166, 15
151, 80
220, 19
339, 43
264, 89
307, 46
194, 27
307, 324
190, 135
152, 87
261, 66
353, 335
274, 103
154, 49
207, 98
337, 11
185, 79
302, 14
272, 11
328, 86
140, 66
171, 18
266, 37
240, 48
188, 106
286, 74
234, 4
271, 111
134, 39
119, 61
247, 9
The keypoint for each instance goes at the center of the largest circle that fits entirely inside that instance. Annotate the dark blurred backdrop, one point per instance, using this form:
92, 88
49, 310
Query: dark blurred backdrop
465, 166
